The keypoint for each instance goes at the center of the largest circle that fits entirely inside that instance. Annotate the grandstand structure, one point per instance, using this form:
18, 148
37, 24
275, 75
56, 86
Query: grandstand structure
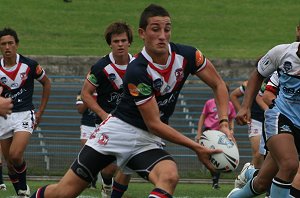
55, 144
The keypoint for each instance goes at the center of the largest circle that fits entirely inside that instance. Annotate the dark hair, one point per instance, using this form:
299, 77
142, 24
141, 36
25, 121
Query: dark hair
151, 11
11, 32
118, 28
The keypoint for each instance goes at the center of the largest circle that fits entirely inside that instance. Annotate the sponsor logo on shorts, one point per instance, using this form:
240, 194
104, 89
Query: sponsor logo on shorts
25, 125
80, 172
285, 128
103, 140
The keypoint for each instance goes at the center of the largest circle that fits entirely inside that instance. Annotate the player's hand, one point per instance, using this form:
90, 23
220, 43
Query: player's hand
204, 155
243, 117
38, 117
197, 138
225, 129
5, 105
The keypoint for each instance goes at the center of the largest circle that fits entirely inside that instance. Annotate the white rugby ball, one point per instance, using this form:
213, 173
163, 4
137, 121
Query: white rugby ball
226, 161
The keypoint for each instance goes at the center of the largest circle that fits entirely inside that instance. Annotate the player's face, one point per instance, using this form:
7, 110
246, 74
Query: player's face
8, 46
157, 36
120, 44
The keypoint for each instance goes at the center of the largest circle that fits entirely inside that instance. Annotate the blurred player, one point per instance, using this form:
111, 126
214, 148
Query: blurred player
282, 123
105, 78
17, 75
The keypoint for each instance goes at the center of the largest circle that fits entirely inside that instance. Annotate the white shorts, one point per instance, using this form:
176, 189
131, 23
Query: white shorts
16, 122
254, 128
86, 131
118, 138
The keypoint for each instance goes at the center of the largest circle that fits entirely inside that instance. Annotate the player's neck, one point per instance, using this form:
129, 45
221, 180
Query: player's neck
121, 60
10, 61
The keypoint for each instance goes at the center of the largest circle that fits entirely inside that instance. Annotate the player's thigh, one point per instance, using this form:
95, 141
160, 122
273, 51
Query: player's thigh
255, 142
296, 181
70, 186
109, 170
143, 163
19, 142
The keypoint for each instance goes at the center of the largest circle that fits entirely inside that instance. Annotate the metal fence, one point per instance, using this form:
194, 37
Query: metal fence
55, 144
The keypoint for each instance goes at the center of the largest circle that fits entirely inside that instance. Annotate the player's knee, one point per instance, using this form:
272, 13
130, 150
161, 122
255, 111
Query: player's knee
170, 177
289, 167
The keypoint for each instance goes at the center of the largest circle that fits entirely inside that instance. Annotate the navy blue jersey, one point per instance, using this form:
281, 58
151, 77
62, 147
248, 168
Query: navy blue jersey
145, 79
18, 82
107, 77
88, 117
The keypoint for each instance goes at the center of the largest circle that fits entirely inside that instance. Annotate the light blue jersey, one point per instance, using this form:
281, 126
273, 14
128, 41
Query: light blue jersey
284, 59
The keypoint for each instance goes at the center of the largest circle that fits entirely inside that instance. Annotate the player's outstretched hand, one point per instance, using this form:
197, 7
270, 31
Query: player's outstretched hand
204, 155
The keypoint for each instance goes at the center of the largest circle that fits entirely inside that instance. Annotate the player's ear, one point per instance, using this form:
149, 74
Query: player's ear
141, 33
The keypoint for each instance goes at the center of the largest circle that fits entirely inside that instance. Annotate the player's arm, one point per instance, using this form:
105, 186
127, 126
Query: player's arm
268, 97
151, 117
44, 100
259, 100
210, 76
200, 126
87, 92
253, 86
235, 95
80, 105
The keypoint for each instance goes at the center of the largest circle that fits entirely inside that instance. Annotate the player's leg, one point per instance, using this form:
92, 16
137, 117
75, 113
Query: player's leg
107, 175
255, 132
2, 185
82, 172
157, 166
120, 184
257, 181
295, 189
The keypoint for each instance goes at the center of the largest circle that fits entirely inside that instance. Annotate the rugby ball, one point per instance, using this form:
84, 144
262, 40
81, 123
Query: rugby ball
226, 161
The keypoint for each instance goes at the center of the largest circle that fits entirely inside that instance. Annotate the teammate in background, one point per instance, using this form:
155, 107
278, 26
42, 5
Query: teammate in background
87, 126
17, 74
106, 78
132, 133
209, 120
282, 124
255, 126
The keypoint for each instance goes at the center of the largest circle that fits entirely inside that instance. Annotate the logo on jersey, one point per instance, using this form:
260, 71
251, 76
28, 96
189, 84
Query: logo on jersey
179, 74
3, 80
23, 76
14, 85
287, 66
144, 89
38, 70
103, 140
133, 90
199, 58
112, 77
92, 78
157, 84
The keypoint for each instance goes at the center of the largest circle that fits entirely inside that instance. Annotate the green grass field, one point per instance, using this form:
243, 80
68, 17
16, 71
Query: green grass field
221, 29
139, 190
